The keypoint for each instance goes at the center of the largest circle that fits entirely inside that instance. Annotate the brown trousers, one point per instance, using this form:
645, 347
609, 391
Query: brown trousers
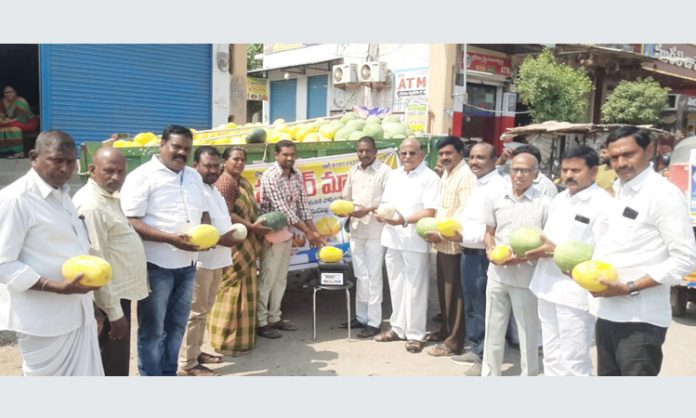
115, 355
449, 289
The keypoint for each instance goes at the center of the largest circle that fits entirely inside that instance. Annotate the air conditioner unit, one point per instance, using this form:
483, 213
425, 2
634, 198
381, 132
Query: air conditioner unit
672, 101
344, 74
373, 72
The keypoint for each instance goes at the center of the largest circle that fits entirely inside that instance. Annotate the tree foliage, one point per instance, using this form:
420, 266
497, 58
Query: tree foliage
252, 51
635, 102
552, 90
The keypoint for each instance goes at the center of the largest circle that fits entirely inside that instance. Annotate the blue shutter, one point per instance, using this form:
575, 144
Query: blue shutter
316, 96
284, 100
93, 91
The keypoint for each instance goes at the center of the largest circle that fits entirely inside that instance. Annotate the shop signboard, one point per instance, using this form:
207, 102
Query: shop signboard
257, 89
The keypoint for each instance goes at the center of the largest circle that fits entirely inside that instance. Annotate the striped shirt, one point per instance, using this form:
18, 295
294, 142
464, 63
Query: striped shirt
456, 187
117, 242
284, 193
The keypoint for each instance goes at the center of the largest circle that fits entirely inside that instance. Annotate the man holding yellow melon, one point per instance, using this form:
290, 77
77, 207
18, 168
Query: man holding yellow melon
39, 231
163, 199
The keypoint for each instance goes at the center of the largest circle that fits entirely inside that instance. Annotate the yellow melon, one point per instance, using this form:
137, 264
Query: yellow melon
204, 236
96, 271
328, 226
500, 253
342, 207
588, 273
448, 226
330, 255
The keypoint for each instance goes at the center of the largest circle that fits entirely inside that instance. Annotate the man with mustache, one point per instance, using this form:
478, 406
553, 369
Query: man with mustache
281, 190
206, 160
53, 318
413, 190
112, 237
651, 244
474, 263
457, 181
605, 174
364, 187
578, 214
162, 199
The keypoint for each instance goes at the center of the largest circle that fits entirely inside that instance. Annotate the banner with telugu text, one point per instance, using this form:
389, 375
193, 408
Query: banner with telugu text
323, 178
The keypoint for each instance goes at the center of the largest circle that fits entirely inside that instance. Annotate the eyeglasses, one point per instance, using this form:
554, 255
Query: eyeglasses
522, 171
405, 153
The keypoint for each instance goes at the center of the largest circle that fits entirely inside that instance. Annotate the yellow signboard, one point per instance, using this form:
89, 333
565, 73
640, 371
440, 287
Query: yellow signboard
257, 89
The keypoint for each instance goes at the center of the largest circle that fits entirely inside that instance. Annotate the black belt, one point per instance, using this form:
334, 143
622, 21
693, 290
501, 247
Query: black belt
474, 251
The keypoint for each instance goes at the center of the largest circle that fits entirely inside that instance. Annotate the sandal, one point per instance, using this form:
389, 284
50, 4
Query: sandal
267, 332
205, 358
283, 326
388, 336
414, 346
441, 350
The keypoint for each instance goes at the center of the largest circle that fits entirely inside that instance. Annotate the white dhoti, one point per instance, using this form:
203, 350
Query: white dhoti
408, 286
567, 334
73, 354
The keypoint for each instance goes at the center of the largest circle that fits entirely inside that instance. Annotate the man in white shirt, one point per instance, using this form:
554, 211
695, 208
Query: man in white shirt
116, 241
474, 263
206, 160
520, 204
162, 199
456, 184
364, 187
413, 190
40, 230
576, 214
650, 242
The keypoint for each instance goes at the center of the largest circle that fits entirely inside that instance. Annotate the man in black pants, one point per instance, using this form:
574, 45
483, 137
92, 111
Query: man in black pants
648, 239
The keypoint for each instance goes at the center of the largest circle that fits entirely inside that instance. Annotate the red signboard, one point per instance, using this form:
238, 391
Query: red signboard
488, 64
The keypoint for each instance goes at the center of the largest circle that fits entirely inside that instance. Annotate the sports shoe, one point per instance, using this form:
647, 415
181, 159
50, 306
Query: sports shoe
474, 370
466, 358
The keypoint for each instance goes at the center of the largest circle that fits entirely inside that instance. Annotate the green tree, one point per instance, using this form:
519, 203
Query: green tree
552, 90
635, 102
252, 51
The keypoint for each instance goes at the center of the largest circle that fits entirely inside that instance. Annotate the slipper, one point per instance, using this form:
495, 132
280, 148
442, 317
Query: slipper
283, 326
414, 346
200, 371
441, 350
267, 332
388, 336
354, 323
205, 358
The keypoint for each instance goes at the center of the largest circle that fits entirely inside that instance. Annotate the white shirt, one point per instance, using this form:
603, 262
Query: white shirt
506, 214
578, 217
364, 187
472, 217
220, 256
168, 201
409, 193
659, 242
545, 185
39, 231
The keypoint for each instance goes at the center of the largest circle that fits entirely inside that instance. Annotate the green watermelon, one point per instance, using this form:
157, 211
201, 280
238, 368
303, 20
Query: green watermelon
392, 118
343, 134
374, 119
356, 124
571, 253
274, 220
425, 225
525, 238
257, 136
374, 130
355, 135
348, 116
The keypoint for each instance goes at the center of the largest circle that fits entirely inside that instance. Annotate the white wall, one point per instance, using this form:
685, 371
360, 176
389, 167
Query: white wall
220, 85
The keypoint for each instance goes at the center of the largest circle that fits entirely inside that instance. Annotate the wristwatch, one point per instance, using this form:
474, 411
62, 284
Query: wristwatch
632, 289
405, 224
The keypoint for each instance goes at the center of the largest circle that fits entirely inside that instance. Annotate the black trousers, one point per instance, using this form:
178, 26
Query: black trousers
628, 348
115, 355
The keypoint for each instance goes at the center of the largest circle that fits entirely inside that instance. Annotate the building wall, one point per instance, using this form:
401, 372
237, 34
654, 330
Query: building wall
221, 84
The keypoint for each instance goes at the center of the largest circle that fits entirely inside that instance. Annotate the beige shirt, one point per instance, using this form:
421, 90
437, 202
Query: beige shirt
117, 242
364, 187
457, 186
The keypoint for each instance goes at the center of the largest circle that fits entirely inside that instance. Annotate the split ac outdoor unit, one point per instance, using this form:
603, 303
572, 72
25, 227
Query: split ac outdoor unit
672, 102
344, 74
373, 72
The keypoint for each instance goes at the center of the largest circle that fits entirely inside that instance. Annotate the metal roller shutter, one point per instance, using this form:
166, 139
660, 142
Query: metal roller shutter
93, 91
284, 100
316, 96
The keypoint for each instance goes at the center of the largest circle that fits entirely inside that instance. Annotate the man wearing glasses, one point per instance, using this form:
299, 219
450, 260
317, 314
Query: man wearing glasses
519, 204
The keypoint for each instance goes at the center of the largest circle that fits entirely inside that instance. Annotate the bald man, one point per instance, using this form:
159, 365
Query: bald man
112, 237
40, 230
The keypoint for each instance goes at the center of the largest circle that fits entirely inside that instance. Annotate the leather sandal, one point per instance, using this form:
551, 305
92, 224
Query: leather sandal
200, 370
388, 336
283, 326
267, 332
414, 346
441, 350
205, 358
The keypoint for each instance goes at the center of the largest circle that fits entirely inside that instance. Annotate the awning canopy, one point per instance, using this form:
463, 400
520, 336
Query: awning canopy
561, 128
322, 65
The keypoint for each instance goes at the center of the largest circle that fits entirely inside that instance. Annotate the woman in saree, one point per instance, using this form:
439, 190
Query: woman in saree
16, 118
232, 320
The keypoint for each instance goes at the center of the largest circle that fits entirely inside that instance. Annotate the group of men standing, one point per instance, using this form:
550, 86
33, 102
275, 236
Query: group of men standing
136, 222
